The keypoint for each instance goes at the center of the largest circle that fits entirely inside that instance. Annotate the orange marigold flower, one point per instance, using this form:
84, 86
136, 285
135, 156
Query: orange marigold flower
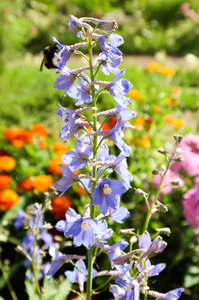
172, 102
42, 145
81, 191
156, 109
7, 163
167, 71
60, 148
139, 122
135, 94
39, 130
176, 91
110, 124
8, 198
54, 167
145, 140
42, 183
5, 181
60, 206
18, 137
168, 119
26, 184
177, 123
153, 66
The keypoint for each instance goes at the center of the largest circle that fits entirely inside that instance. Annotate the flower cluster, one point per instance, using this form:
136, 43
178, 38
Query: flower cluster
96, 165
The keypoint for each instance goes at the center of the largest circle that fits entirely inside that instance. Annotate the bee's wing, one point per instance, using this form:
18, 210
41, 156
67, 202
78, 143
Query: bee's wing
42, 63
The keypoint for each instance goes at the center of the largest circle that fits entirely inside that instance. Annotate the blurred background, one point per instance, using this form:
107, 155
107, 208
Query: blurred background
161, 58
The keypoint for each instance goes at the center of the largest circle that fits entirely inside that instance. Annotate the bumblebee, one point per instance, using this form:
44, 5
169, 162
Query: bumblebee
48, 56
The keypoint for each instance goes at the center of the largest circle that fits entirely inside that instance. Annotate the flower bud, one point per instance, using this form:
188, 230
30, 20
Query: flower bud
161, 207
162, 151
140, 192
178, 139
156, 171
165, 231
178, 159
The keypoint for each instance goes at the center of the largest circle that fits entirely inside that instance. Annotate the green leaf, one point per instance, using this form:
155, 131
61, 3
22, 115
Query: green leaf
192, 278
56, 289
31, 290
13, 269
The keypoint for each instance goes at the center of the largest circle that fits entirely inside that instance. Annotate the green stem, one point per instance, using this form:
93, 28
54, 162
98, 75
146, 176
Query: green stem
33, 260
6, 278
90, 251
149, 213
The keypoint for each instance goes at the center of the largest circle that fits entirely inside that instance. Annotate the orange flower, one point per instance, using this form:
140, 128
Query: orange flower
177, 123
60, 206
110, 124
8, 198
176, 91
157, 109
168, 119
81, 191
42, 145
54, 167
18, 137
135, 94
39, 130
145, 141
26, 184
5, 181
42, 183
7, 163
167, 71
60, 149
139, 122
172, 102
153, 66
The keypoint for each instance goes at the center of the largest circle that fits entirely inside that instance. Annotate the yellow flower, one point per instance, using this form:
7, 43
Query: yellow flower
145, 140
177, 123
42, 183
135, 94
8, 198
156, 109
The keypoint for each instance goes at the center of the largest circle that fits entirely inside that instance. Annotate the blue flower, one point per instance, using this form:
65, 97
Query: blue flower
109, 43
75, 25
59, 260
71, 217
107, 193
67, 180
77, 159
172, 295
20, 219
66, 80
79, 275
84, 232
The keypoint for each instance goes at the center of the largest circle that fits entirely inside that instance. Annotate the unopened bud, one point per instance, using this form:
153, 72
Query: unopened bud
179, 151
140, 192
161, 207
127, 231
178, 159
156, 171
178, 139
165, 231
133, 239
162, 151
175, 183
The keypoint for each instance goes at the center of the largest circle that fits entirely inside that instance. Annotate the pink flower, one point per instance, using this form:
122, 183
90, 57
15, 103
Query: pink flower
191, 206
190, 147
170, 176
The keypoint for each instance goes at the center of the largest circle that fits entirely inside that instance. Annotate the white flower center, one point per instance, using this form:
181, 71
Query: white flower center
85, 225
106, 190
